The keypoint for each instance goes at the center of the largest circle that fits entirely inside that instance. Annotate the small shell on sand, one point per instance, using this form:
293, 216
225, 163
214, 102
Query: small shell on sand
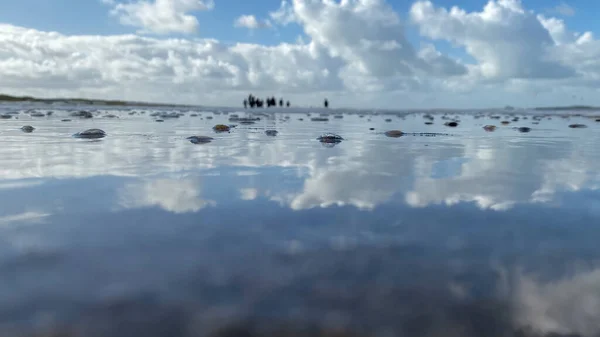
221, 128
27, 128
82, 114
330, 138
394, 133
577, 126
200, 139
524, 129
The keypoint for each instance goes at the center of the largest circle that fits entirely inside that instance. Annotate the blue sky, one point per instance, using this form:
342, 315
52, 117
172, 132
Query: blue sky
91, 17
486, 65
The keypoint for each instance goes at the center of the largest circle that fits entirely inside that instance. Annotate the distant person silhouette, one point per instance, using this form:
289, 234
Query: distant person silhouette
326, 103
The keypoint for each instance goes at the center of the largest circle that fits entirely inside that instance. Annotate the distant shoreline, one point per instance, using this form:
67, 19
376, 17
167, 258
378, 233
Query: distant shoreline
10, 98
572, 107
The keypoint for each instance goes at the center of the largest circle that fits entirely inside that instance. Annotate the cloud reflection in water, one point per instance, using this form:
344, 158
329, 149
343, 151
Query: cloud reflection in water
406, 233
173, 195
494, 170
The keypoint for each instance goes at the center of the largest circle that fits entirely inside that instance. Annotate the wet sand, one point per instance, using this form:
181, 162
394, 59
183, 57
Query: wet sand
143, 233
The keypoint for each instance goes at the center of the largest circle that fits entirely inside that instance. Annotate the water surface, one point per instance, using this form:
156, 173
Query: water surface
142, 233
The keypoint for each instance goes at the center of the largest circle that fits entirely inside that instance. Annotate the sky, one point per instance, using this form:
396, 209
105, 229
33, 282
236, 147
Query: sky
380, 54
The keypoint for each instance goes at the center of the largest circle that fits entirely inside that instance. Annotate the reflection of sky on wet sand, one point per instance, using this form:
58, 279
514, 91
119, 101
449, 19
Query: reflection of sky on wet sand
494, 170
252, 226
569, 305
174, 195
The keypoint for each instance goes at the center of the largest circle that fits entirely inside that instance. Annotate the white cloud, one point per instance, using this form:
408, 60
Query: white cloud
347, 47
251, 22
507, 40
562, 9
557, 29
160, 16
438, 63
140, 68
284, 15
516, 52
367, 35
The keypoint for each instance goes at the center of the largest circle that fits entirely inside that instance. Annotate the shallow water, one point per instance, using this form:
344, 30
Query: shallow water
144, 234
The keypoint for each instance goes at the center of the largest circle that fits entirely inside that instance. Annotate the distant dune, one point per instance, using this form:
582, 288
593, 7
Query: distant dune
9, 98
572, 107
